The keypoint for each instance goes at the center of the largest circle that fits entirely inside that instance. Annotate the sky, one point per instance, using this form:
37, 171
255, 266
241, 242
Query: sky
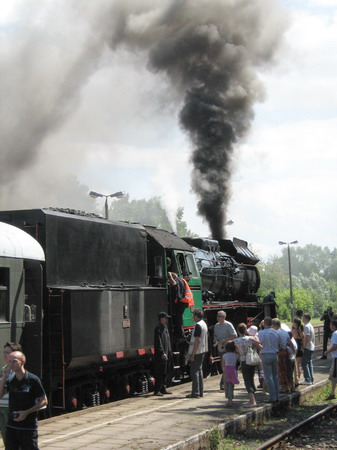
78, 98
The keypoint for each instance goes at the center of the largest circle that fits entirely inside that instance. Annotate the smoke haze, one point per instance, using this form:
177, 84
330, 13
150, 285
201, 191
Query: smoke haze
207, 51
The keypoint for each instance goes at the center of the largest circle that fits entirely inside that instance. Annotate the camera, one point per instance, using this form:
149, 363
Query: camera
14, 415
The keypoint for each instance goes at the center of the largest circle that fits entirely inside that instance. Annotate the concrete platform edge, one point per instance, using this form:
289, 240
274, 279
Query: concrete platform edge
257, 415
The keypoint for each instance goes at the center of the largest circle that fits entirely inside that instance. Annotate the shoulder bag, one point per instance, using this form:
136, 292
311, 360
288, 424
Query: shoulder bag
252, 358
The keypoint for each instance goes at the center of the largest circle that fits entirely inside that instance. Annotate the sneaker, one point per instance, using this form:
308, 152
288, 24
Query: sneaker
192, 396
158, 394
323, 357
330, 397
306, 383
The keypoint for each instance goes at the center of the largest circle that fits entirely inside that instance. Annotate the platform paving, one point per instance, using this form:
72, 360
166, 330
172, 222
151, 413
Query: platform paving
149, 422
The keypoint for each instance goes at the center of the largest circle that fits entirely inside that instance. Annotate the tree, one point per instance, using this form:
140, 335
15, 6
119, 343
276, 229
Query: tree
314, 271
273, 276
307, 260
148, 212
181, 225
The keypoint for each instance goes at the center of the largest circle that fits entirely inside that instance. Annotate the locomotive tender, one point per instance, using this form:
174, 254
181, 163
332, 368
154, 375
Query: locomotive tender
82, 296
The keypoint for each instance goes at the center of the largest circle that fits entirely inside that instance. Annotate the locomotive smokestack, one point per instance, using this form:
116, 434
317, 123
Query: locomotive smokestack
210, 50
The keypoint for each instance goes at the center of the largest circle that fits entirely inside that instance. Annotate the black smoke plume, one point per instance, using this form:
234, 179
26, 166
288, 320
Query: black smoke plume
210, 51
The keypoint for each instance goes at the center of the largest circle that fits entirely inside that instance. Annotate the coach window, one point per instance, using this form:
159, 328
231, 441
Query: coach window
4, 294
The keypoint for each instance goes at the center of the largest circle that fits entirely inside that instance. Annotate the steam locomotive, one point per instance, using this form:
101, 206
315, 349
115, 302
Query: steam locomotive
82, 295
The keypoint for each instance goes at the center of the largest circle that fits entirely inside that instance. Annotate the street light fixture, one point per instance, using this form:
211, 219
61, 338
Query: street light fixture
118, 194
290, 280
229, 222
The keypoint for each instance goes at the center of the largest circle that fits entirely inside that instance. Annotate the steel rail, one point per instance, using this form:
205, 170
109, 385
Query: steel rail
286, 434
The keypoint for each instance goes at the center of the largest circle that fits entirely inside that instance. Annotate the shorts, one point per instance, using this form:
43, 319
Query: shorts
333, 369
299, 353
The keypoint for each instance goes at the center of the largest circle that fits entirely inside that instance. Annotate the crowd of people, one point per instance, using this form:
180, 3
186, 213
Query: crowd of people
280, 357
283, 356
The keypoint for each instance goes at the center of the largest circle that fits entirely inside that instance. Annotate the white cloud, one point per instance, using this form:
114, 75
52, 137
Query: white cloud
332, 3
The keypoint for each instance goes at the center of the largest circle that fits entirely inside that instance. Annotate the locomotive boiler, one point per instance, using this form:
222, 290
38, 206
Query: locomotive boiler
84, 303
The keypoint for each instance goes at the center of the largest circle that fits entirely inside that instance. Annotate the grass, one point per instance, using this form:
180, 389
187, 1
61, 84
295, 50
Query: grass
216, 442
314, 322
258, 434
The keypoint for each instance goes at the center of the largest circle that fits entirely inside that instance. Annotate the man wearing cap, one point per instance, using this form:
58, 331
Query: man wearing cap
162, 360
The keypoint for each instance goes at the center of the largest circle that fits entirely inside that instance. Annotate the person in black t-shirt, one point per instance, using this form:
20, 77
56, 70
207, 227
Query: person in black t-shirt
26, 397
327, 317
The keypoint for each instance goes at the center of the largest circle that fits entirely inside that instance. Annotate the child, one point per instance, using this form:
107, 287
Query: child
229, 361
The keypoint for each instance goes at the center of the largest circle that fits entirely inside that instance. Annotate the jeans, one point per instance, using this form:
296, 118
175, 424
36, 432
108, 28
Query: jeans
229, 390
248, 373
197, 375
21, 439
270, 368
326, 337
3, 421
308, 370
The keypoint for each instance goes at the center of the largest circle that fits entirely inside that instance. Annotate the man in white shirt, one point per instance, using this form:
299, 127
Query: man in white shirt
308, 350
223, 332
196, 352
333, 351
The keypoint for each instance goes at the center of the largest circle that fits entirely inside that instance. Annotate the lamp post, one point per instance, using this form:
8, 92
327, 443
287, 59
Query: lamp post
290, 280
118, 194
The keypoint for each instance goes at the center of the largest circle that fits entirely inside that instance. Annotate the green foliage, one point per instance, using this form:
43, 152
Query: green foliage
309, 259
314, 279
148, 212
304, 300
215, 438
273, 276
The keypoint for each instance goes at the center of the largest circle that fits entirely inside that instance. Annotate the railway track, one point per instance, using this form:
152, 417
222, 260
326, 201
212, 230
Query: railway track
318, 431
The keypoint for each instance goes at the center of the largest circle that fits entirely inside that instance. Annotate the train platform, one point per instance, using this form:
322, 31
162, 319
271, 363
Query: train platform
169, 422
172, 422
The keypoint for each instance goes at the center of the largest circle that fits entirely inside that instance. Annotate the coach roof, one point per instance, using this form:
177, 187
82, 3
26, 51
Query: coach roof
15, 243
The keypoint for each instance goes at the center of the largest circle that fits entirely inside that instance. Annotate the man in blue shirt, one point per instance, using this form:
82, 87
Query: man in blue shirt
26, 397
271, 343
